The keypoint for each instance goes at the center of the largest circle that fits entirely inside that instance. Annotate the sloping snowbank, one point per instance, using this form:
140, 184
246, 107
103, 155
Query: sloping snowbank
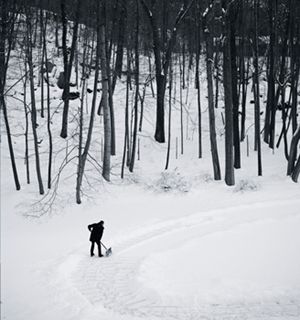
250, 262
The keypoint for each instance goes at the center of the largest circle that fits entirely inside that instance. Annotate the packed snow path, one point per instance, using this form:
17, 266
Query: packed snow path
113, 283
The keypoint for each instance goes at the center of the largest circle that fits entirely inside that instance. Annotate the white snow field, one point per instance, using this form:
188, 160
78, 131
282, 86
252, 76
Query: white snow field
215, 254
184, 246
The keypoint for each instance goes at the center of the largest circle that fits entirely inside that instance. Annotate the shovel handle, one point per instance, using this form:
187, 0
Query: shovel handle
103, 245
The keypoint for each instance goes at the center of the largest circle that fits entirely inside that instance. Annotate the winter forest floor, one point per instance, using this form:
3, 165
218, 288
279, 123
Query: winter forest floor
184, 246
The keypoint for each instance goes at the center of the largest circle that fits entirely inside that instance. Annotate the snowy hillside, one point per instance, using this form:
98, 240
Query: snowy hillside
184, 246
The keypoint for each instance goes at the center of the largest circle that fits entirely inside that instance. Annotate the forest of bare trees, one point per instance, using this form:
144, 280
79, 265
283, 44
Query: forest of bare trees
240, 43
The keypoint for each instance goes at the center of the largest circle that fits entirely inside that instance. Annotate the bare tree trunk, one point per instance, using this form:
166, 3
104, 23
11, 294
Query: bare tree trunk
217, 73
170, 116
3, 69
181, 104
126, 150
293, 152
269, 131
26, 112
112, 114
296, 172
83, 157
136, 98
235, 99
212, 126
142, 100
33, 105
295, 67
256, 90
80, 167
68, 63
197, 76
227, 70
56, 32
42, 63
162, 65
48, 107
120, 44
105, 93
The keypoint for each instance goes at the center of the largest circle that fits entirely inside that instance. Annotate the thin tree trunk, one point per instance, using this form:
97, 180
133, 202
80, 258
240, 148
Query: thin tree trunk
48, 107
296, 172
181, 105
33, 105
136, 98
293, 152
84, 155
227, 70
235, 99
212, 126
170, 117
269, 131
68, 63
80, 167
4, 58
105, 93
42, 63
26, 111
197, 76
256, 90
126, 151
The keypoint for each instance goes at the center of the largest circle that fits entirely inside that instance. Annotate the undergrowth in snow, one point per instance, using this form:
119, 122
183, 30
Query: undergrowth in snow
245, 185
171, 181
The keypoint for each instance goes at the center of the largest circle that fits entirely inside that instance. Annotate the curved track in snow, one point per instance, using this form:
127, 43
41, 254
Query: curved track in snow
113, 282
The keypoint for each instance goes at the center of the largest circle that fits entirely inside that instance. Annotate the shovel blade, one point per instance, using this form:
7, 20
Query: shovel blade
108, 252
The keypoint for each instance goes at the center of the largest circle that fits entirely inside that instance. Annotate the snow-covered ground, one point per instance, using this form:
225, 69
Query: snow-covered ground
184, 246
208, 254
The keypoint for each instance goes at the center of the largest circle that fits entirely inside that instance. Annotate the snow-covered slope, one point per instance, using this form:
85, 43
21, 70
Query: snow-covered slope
184, 247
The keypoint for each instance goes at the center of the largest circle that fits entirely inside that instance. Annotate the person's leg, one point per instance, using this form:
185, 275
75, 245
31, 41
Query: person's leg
99, 249
92, 248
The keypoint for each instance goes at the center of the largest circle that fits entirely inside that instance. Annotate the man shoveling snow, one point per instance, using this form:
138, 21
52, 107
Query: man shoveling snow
96, 236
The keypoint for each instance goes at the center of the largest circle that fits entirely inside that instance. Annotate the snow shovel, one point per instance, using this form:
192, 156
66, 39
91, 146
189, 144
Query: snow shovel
108, 251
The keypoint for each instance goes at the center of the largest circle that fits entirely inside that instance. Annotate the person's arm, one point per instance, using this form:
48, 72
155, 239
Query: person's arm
90, 227
101, 233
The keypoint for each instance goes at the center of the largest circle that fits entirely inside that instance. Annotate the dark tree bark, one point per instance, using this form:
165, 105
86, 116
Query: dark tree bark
296, 172
5, 47
126, 149
269, 130
68, 62
80, 167
136, 98
26, 112
212, 126
234, 87
256, 90
83, 157
162, 64
293, 152
33, 103
120, 43
295, 65
197, 80
227, 70
42, 62
170, 117
105, 97
44, 30
181, 104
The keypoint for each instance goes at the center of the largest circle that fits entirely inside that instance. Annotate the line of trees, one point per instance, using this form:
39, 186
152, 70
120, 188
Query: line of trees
243, 44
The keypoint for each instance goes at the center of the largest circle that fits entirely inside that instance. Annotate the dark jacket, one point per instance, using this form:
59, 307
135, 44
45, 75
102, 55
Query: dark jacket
96, 231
